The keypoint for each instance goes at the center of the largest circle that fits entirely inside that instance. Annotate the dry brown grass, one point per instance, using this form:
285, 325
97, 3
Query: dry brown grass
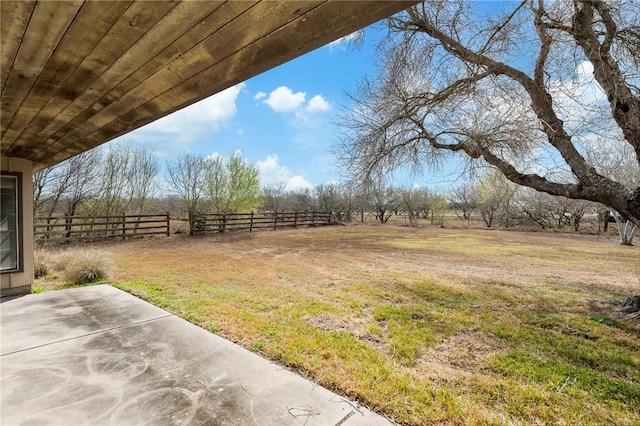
426, 325
474, 254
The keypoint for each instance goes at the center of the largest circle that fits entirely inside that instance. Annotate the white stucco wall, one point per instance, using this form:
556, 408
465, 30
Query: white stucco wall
20, 282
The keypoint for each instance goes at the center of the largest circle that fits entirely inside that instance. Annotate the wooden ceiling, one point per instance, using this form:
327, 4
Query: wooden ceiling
76, 74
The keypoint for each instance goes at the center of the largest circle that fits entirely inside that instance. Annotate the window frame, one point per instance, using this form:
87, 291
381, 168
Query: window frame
19, 222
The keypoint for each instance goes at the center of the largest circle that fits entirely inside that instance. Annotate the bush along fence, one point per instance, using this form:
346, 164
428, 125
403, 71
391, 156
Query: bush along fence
220, 223
92, 228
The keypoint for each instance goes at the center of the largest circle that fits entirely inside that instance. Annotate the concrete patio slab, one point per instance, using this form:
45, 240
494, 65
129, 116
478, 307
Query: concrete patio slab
99, 356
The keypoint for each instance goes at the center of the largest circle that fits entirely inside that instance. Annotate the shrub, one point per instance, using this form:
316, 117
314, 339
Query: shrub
85, 267
41, 264
61, 260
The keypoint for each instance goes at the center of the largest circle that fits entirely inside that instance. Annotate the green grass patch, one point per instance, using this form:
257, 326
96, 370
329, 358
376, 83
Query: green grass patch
38, 289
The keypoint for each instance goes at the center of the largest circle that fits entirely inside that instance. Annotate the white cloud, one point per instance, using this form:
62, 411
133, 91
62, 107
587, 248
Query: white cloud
585, 69
342, 41
189, 127
283, 99
214, 156
273, 173
211, 113
311, 123
318, 103
308, 119
580, 102
297, 183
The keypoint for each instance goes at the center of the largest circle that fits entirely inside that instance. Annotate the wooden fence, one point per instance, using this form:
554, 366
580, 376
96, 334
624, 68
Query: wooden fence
91, 228
220, 223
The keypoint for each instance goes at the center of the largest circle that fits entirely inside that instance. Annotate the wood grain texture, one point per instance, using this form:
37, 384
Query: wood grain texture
82, 36
14, 17
77, 74
47, 25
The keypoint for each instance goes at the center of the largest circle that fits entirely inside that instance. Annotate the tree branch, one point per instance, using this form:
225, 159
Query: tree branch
545, 43
503, 25
624, 106
541, 100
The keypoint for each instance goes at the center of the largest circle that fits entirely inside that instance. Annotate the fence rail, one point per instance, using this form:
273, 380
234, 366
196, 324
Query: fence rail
91, 228
66, 229
221, 223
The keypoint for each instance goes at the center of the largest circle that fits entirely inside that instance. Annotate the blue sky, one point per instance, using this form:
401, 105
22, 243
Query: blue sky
282, 120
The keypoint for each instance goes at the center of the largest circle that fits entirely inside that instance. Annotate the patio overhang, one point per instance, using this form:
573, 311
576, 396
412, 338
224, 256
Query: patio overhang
76, 74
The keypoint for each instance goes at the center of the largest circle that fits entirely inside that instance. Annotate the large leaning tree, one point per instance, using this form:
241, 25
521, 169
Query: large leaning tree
533, 88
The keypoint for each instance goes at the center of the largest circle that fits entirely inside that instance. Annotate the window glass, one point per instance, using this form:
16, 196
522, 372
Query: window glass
9, 259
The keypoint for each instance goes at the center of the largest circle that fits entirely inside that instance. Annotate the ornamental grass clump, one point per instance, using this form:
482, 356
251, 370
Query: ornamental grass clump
42, 268
85, 267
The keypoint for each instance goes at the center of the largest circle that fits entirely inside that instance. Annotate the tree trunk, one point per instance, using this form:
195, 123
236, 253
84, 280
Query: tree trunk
606, 214
631, 307
626, 229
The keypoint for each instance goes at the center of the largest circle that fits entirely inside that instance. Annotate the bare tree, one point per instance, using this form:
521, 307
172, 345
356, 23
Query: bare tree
497, 196
82, 179
464, 200
454, 80
42, 182
439, 206
330, 198
350, 200
383, 199
488, 206
578, 209
614, 158
299, 200
535, 207
143, 174
65, 186
115, 177
273, 196
413, 201
186, 176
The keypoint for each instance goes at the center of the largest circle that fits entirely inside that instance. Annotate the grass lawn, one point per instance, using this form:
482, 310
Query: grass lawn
423, 325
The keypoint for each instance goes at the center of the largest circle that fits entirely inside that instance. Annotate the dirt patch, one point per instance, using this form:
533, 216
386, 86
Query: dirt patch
328, 322
464, 351
356, 325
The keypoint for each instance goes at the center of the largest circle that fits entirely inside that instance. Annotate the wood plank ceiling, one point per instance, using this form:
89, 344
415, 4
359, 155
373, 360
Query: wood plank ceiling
76, 74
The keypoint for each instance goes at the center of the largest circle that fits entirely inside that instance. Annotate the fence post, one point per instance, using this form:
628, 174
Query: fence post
295, 219
137, 225
329, 221
275, 220
251, 222
68, 221
124, 226
224, 222
313, 218
168, 226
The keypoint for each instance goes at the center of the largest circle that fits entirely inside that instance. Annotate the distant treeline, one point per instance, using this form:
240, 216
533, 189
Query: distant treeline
125, 180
